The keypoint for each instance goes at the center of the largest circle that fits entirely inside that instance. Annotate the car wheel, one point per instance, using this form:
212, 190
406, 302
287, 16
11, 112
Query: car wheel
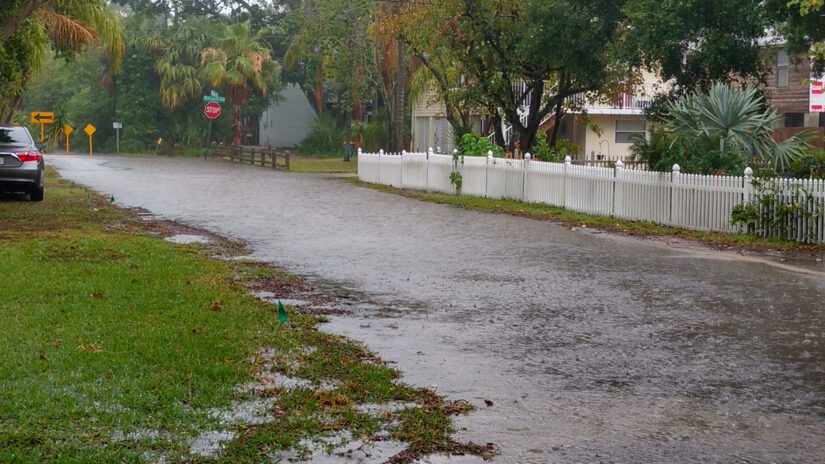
36, 194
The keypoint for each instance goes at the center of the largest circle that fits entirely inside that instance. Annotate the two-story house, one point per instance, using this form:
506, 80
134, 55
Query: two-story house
790, 90
619, 121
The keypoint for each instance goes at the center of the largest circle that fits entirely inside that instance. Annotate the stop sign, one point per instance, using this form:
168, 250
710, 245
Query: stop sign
212, 110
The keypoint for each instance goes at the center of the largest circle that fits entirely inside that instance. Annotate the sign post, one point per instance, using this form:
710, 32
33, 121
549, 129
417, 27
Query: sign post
89, 130
42, 118
67, 129
212, 109
117, 126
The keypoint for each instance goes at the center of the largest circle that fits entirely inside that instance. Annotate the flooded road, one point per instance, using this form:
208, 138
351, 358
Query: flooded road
589, 347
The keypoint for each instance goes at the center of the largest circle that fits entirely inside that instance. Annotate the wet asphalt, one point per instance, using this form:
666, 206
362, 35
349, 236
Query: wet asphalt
575, 346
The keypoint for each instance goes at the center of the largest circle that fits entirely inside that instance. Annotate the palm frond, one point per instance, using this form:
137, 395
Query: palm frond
98, 17
782, 154
738, 120
63, 29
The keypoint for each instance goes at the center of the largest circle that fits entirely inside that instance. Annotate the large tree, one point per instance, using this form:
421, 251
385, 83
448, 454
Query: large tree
694, 43
516, 54
336, 47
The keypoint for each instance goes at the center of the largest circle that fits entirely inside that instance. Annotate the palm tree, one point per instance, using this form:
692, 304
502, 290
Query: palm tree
178, 65
241, 62
736, 120
69, 25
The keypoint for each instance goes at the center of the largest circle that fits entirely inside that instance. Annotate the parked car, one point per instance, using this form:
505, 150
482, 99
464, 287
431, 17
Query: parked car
21, 163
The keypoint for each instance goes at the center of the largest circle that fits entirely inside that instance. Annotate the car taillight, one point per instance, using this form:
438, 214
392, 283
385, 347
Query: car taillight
33, 155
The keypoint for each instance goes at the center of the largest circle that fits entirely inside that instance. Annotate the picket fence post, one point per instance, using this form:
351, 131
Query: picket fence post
380, 153
747, 190
487, 174
527, 157
675, 172
568, 162
747, 185
427, 162
403, 152
617, 172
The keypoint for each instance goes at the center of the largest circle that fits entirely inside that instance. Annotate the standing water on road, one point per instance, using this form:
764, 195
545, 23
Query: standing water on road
575, 346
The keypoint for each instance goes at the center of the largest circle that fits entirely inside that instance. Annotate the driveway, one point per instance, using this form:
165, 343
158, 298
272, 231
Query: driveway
589, 347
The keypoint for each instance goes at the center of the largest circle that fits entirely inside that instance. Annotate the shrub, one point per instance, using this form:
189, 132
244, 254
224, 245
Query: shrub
542, 151
663, 149
473, 145
325, 138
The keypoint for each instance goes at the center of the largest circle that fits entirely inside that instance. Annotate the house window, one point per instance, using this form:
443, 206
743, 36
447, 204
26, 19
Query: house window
782, 69
627, 131
794, 119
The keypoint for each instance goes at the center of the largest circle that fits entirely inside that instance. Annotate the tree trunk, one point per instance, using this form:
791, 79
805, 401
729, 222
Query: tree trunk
357, 109
499, 133
319, 96
398, 101
11, 24
8, 110
236, 125
557, 123
347, 135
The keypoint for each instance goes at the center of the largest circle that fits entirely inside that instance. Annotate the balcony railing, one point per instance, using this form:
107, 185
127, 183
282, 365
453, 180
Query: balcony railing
625, 103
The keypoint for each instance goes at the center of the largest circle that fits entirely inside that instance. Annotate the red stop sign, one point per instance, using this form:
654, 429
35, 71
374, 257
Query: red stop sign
212, 110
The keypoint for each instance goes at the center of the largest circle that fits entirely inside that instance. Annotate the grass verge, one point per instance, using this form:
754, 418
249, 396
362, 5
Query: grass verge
607, 223
119, 346
322, 165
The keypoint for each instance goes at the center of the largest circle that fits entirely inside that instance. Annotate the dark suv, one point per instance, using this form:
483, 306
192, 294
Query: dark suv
21, 164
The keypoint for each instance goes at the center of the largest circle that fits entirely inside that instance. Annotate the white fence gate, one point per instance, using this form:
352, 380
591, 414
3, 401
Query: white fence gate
681, 200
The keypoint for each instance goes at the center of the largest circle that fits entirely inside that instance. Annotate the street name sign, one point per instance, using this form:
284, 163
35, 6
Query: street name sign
214, 97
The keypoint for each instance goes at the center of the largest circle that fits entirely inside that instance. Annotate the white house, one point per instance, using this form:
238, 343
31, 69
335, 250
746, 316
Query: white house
288, 121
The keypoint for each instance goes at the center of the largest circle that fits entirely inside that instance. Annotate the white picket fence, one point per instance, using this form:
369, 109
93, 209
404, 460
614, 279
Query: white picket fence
681, 200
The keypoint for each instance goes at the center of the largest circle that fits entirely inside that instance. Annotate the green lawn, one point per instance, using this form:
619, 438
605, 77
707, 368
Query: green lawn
323, 165
117, 345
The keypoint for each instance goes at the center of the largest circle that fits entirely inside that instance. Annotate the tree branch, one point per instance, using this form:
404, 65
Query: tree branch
11, 24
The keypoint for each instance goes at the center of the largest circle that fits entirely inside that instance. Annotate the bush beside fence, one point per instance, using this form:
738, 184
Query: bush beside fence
792, 209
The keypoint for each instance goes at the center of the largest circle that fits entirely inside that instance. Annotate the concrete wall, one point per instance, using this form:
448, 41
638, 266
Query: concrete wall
287, 122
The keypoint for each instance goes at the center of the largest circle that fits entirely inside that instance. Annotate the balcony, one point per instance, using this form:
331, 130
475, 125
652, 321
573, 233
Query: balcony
624, 104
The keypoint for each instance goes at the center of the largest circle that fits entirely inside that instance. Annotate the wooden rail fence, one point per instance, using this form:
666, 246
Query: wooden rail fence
261, 156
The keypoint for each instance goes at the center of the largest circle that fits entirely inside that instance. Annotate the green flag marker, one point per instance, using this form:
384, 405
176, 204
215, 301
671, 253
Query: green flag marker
281, 312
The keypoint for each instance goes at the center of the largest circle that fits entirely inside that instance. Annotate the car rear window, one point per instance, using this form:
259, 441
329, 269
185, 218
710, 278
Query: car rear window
14, 135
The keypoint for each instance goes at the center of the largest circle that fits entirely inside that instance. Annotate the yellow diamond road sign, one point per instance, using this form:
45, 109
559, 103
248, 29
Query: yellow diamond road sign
41, 117
89, 129
68, 129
